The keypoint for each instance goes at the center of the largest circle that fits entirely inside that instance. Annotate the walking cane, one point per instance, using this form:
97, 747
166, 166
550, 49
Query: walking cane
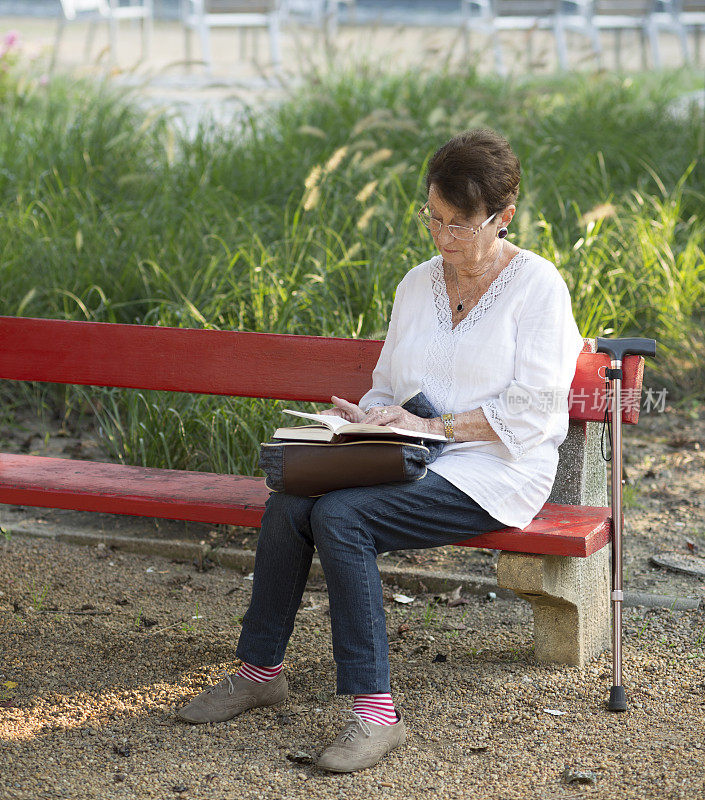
616, 349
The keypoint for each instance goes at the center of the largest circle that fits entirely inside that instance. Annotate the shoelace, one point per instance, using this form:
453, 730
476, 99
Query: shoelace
352, 730
227, 678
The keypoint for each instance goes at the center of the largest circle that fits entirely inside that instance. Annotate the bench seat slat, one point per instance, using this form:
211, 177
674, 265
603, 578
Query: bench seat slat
239, 500
120, 489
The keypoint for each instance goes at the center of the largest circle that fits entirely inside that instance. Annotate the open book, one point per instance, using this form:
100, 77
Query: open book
331, 428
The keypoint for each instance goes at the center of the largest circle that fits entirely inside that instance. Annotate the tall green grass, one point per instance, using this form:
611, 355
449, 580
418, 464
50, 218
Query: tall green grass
300, 218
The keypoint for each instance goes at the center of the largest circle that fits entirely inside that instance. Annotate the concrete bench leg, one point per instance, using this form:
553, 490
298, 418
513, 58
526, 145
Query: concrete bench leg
571, 601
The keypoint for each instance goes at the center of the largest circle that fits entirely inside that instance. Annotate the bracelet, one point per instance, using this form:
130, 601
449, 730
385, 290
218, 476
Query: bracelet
448, 420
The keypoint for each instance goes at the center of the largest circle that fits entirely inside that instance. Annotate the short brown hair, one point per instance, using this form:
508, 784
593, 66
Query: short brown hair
474, 168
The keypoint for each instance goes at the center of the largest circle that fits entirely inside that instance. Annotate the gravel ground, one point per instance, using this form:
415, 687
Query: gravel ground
99, 648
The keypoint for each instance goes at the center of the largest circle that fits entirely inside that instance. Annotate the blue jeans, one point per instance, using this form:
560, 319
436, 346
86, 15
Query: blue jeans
349, 528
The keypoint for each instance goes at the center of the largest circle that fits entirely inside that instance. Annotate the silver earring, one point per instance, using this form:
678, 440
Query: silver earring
501, 233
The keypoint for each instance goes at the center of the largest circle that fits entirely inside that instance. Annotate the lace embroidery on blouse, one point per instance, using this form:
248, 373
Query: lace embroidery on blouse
499, 426
440, 351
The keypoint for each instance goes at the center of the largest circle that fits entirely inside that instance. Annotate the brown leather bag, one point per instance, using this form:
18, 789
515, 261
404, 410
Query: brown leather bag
310, 469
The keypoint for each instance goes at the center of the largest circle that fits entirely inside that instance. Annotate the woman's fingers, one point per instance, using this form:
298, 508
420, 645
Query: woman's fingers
396, 415
383, 416
341, 403
351, 412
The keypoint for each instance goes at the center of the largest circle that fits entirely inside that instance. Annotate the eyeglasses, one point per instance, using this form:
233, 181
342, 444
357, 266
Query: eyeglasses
464, 232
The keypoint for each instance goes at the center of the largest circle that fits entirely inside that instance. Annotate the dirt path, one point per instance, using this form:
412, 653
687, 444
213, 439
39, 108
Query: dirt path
99, 648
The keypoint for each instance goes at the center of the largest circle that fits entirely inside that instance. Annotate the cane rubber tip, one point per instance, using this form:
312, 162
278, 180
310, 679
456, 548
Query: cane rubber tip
618, 700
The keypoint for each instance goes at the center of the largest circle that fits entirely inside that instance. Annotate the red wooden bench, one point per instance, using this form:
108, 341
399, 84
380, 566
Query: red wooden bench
559, 562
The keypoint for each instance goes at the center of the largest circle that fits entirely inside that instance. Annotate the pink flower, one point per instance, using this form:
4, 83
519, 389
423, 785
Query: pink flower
10, 39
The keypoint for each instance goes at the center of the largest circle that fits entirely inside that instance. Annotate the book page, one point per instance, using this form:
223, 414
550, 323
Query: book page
305, 433
329, 420
358, 428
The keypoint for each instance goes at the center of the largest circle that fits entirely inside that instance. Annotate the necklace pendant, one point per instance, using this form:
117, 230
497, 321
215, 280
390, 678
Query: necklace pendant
460, 306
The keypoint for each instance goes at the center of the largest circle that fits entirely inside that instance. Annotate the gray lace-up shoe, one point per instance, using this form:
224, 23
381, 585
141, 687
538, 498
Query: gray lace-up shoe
361, 744
231, 697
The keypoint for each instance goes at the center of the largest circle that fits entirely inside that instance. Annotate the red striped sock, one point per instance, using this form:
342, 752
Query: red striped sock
258, 674
377, 708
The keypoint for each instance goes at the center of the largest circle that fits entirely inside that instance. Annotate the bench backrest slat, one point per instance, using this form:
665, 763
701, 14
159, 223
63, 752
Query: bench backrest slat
283, 367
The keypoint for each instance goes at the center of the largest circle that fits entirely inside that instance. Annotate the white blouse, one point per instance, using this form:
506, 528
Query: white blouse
513, 355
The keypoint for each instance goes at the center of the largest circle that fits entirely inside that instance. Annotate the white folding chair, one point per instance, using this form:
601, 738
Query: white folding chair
202, 15
691, 15
110, 11
646, 17
321, 14
559, 16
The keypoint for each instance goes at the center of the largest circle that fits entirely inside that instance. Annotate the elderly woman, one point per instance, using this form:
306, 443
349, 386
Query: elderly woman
485, 330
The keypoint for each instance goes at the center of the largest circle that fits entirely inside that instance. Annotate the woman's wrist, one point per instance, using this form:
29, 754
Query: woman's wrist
435, 425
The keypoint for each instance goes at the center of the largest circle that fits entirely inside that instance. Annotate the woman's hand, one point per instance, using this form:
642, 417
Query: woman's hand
399, 417
384, 415
346, 410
